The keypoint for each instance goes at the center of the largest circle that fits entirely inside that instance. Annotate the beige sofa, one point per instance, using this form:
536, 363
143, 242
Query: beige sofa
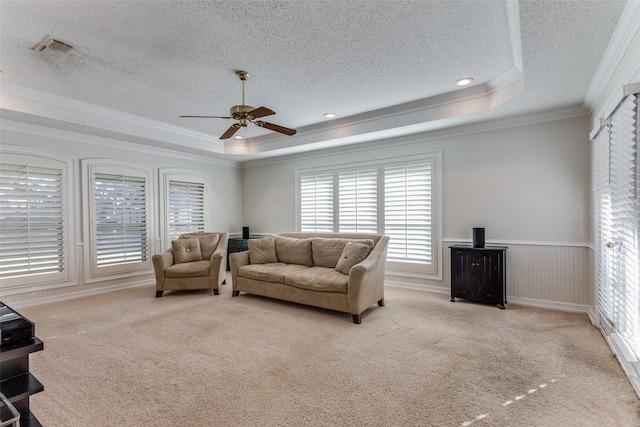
194, 261
336, 271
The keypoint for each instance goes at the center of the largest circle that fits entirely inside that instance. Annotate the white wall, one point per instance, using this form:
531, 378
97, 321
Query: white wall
529, 187
529, 183
224, 193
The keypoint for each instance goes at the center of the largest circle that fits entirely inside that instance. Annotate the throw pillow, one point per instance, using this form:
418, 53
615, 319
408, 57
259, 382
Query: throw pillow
327, 251
262, 251
186, 250
352, 254
294, 251
208, 242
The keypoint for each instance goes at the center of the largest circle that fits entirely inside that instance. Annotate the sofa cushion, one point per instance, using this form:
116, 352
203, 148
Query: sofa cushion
320, 279
272, 272
294, 251
189, 269
262, 251
327, 251
352, 254
208, 242
186, 250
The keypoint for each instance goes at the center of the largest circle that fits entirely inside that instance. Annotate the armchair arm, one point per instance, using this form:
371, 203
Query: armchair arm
366, 279
160, 263
237, 260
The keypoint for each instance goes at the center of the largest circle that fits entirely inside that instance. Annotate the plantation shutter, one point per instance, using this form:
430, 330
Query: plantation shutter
120, 218
186, 208
408, 212
31, 220
358, 201
618, 222
316, 202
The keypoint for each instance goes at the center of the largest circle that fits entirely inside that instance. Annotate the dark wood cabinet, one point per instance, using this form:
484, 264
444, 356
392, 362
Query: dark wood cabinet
479, 274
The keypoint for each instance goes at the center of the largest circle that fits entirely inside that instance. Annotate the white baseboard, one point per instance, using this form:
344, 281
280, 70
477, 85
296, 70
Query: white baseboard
79, 294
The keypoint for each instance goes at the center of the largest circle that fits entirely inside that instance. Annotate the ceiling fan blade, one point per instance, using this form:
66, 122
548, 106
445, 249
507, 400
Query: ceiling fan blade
205, 117
261, 112
276, 128
231, 131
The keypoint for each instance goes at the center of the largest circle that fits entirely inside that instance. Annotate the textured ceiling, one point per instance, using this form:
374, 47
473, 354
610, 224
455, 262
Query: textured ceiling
385, 68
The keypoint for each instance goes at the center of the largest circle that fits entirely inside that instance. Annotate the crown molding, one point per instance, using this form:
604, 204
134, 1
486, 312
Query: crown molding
84, 138
626, 30
513, 19
40, 103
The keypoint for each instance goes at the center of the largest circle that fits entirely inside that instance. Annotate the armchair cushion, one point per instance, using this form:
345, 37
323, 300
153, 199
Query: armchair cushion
186, 250
262, 251
352, 254
208, 242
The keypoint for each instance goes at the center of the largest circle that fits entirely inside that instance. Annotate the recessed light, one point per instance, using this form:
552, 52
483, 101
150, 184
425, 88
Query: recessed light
464, 82
238, 137
329, 115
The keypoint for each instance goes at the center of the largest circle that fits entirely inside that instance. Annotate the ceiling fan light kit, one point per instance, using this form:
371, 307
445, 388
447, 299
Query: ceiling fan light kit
246, 114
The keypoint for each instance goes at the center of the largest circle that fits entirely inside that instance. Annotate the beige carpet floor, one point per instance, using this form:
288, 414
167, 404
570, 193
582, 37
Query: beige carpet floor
126, 358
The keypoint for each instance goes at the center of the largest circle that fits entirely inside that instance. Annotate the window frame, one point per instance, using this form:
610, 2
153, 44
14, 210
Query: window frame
35, 282
165, 175
90, 168
430, 271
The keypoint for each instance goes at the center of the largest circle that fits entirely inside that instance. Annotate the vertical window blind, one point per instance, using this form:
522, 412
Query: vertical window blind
120, 219
31, 220
618, 222
316, 202
408, 212
358, 201
186, 208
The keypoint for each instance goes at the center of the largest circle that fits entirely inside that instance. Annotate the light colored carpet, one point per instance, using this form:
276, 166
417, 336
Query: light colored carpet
126, 358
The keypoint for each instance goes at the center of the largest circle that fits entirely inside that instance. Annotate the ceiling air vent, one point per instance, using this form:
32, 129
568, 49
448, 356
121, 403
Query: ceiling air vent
51, 45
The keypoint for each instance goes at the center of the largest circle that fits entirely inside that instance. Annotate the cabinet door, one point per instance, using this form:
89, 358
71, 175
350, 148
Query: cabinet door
466, 275
490, 284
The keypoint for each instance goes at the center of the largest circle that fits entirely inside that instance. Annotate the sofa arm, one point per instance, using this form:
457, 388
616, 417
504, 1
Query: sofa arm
160, 263
366, 279
218, 270
237, 260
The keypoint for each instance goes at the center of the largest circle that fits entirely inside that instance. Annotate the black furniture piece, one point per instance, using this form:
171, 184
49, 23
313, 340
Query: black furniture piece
17, 383
236, 244
479, 274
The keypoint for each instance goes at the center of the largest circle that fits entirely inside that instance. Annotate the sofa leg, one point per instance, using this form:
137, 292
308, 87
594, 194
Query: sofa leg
381, 302
224, 282
216, 292
356, 319
235, 293
159, 294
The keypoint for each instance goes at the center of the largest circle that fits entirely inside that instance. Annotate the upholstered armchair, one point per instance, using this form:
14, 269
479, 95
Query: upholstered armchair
194, 261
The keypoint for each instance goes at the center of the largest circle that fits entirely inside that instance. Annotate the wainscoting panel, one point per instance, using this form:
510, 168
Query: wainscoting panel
538, 274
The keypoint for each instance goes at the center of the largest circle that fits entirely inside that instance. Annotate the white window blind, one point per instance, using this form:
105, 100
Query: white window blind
618, 217
358, 201
120, 219
316, 202
31, 220
408, 212
186, 210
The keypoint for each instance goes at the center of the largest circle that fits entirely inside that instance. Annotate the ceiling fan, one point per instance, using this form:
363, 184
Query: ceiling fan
246, 114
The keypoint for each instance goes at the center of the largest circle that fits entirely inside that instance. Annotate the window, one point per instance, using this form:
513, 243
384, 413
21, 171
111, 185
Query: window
408, 212
617, 222
186, 210
120, 219
33, 229
397, 199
